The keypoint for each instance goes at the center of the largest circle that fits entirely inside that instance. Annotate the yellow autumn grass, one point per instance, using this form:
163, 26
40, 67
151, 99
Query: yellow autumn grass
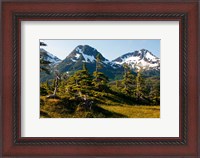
52, 108
139, 111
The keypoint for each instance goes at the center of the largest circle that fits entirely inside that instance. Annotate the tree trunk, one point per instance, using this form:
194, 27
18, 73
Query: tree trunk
56, 86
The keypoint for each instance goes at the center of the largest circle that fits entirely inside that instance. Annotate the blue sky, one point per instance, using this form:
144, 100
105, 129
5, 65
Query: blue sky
110, 49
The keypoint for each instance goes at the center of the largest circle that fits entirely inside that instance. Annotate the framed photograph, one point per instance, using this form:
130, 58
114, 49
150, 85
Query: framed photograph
83, 83
100, 79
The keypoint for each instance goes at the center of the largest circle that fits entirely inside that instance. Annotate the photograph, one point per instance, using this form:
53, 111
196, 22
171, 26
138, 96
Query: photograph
99, 78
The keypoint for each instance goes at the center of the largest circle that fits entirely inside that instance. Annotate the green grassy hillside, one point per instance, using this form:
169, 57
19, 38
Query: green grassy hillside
106, 106
82, 95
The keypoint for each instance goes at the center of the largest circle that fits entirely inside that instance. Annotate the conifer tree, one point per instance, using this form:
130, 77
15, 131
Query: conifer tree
100, 80
128, 80
98, 62
43, 63
139, 85
44, 66
84, 66
154, 94
80, 83
43, 89
47, 84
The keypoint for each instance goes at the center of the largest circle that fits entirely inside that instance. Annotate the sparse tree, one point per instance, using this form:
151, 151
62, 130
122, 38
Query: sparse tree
80, 83
55, 85
139, 86
100, 80
128, 80
154, 94
44, 66
43, 63
98, 62
56, 82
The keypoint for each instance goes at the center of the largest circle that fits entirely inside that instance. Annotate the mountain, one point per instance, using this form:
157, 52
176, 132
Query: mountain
142, 59
48, 63
48, 57
87, 54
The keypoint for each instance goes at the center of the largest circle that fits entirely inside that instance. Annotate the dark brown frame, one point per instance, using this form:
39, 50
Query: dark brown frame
185, 12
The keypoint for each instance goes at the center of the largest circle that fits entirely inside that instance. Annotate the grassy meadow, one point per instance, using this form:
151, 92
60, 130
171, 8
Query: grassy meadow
136, 111
112, 106
86, 95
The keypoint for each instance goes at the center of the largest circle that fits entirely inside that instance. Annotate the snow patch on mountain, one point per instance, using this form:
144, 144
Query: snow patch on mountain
79, 50
128, 60
88, 58
114, 65
149, 56
51, 55
106, 61
77, 55
73, 60
46, 56
142, 59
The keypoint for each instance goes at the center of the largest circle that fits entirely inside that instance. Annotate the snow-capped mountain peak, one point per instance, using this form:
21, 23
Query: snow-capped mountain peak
79, 50
139, 59
48, 57
86, 53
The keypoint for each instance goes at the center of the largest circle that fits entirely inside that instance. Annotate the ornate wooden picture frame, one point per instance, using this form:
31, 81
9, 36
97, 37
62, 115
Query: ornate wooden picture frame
187, 144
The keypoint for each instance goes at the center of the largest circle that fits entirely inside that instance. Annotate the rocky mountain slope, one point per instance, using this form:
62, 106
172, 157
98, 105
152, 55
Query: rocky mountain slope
142, 59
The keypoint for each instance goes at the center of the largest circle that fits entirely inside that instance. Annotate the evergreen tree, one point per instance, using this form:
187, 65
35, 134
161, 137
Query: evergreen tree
117, 84
44, 66
84, 66
47, 84
80, 83
151, 90
98, 62
148, 85
43, 63
154, 94
139, 86
100, 80
128, 80
43, 89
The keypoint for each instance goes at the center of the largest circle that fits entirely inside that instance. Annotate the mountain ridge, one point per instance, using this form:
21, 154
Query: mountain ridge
139, 59
142, 59
49, 57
